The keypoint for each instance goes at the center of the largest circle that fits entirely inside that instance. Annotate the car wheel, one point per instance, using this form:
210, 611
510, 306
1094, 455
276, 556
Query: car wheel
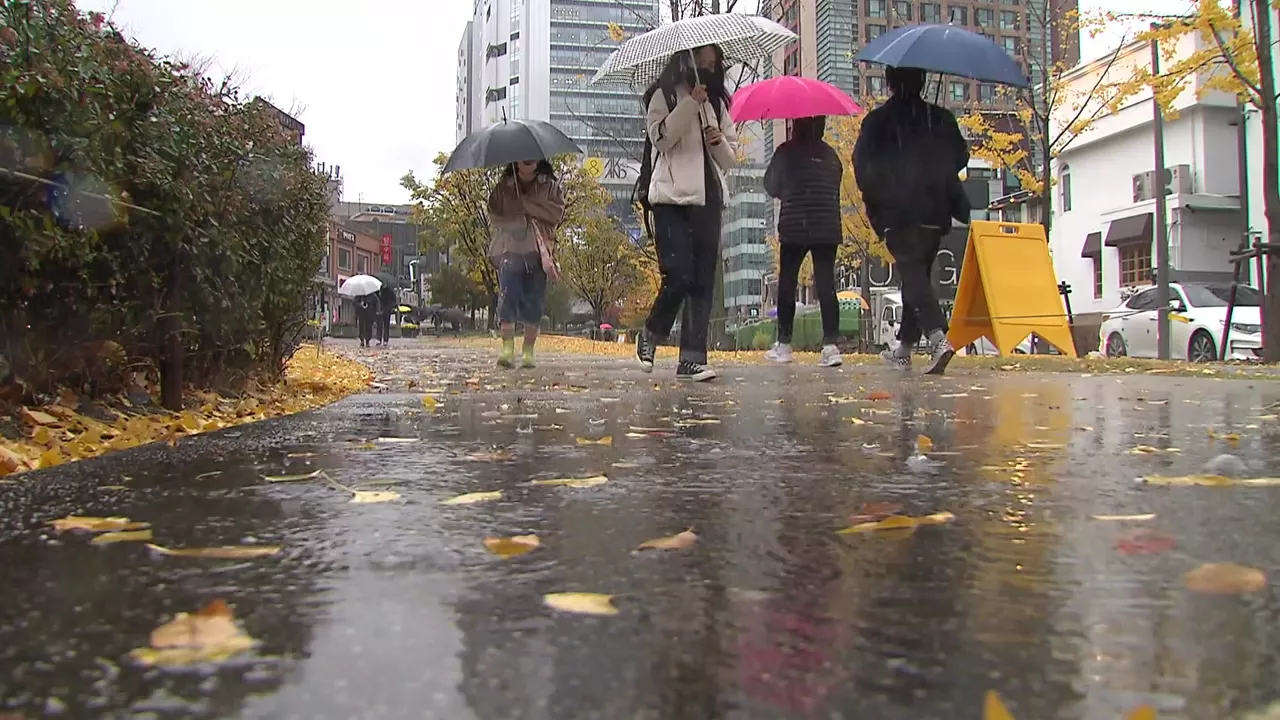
1202, 348
1115, 346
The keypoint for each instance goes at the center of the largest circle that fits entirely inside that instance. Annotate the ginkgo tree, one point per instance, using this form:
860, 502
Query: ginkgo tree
1237, 59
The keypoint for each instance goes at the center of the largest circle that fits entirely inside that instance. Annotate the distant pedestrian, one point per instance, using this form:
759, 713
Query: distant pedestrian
804, 175
386, 306
690, 143
366, 317
524, 208
907, 162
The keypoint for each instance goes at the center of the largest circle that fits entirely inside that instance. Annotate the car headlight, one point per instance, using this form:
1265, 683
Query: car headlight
1246, 328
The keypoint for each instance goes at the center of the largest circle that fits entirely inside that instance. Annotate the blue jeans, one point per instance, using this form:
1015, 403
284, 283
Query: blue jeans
522, 286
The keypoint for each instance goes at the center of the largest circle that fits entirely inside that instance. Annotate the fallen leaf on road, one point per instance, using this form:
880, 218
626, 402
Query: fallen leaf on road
208, 635
226, 552
490, 456
581, 602
429, 402
871, 512
679, 541
924, 444
879, 395
475, 497
295, 455
1225, 579
1209, 480
626, 465
899, 522
858, 421
606, 440
373, 496
1144, 542
993, 709
122, 536
292, 478
97, 524
698, 421
1142, 516
574, 482
395, 440
1148, 450
509, 547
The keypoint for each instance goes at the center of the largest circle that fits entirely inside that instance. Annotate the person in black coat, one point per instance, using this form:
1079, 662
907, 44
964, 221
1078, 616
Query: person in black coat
907, 162
805, 175
386, 306
366, 317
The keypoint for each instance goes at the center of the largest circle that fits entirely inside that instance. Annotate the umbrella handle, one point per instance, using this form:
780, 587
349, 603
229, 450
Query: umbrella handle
697, 80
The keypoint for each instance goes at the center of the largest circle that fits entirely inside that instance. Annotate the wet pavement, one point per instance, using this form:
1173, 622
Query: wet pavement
397, 610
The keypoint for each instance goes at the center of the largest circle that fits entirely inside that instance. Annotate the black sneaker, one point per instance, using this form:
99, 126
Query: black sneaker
696, 372
940, 354
645, 350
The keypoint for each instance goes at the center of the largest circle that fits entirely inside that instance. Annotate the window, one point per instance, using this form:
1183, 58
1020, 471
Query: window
986, 93
1012, 45
877, 8
362, 265
1097, 276
1064, 187
930, 13
1217, 295
1135, 269
875, 85
902, 10
959, 14
874, 31
1010, 20
344, 259
855, 86
959, 92
984, 17
495, 95
494, 51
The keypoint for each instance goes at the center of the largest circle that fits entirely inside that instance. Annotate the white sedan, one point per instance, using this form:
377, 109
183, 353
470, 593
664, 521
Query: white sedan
1197, 315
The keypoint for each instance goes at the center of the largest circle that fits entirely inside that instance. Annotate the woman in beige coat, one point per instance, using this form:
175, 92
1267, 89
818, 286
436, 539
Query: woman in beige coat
694, 144
527, 200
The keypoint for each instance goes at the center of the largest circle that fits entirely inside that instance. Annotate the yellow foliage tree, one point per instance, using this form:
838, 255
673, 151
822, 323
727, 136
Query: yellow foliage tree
599, 264
861, 243
1042, 121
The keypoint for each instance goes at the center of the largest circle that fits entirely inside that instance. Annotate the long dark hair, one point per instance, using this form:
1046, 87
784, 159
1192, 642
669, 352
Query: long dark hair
544, 168
681, 70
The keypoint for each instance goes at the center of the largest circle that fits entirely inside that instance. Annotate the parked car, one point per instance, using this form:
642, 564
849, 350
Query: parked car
1197, 315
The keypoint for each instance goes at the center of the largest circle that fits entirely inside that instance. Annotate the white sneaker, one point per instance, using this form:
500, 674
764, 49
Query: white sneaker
830, 357
940, 354
779, 353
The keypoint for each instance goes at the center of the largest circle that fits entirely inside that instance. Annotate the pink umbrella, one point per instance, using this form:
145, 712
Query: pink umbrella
789, 97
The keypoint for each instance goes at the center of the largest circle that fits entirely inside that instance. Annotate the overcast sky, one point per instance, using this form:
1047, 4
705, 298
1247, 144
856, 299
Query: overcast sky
374, 82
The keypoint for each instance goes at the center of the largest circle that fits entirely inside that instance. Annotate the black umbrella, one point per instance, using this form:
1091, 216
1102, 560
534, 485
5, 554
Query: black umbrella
510, 141
389, 282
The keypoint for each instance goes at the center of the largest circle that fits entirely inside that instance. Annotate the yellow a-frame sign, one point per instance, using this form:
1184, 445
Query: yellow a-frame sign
1008, 289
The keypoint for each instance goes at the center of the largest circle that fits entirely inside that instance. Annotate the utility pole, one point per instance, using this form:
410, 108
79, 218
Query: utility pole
1242, 154
1262, 38
1162, 226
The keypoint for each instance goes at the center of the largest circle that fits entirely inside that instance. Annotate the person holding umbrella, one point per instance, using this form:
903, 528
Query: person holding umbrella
386, 306
907, 162
693, 142
524, 209
366, 317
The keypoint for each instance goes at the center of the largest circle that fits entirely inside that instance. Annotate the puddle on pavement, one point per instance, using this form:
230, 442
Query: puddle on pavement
396, 609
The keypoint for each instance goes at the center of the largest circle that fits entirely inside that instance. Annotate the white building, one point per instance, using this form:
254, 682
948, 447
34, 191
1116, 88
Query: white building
466, 83
532, 59
1102, 235
1253, 134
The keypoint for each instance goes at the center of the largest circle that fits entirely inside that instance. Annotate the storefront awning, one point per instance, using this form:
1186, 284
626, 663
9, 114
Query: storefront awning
1129, 230
1092, 245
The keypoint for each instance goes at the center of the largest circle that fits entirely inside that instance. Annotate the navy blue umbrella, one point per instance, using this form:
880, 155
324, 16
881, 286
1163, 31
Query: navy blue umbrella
945, 49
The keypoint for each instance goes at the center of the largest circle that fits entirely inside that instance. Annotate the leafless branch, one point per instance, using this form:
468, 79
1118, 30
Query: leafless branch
1097, 108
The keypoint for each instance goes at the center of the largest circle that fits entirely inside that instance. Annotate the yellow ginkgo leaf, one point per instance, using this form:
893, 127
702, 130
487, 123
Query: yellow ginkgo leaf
993, 708
924, 444
509, 547
1209, 481
1225, 579
581, 602
122, 536
96, 524
208, 635
50, 458
292, 478
573, 482
1142, 516
429, 402
373, 496
475, 497
226, 552
606, 440
679, 541
899, 522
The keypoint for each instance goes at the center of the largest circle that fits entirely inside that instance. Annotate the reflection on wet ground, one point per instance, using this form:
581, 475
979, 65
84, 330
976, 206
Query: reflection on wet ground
397, 610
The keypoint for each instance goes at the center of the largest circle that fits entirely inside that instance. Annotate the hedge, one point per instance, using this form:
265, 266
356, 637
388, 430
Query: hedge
147, 214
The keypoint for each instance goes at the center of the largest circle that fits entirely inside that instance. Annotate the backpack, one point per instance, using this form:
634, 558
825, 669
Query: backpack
640, 193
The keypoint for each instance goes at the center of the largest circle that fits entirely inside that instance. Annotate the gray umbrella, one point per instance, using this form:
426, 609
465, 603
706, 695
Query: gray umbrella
510, 141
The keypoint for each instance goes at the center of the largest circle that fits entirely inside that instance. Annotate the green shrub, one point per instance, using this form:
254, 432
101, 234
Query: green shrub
155, 201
